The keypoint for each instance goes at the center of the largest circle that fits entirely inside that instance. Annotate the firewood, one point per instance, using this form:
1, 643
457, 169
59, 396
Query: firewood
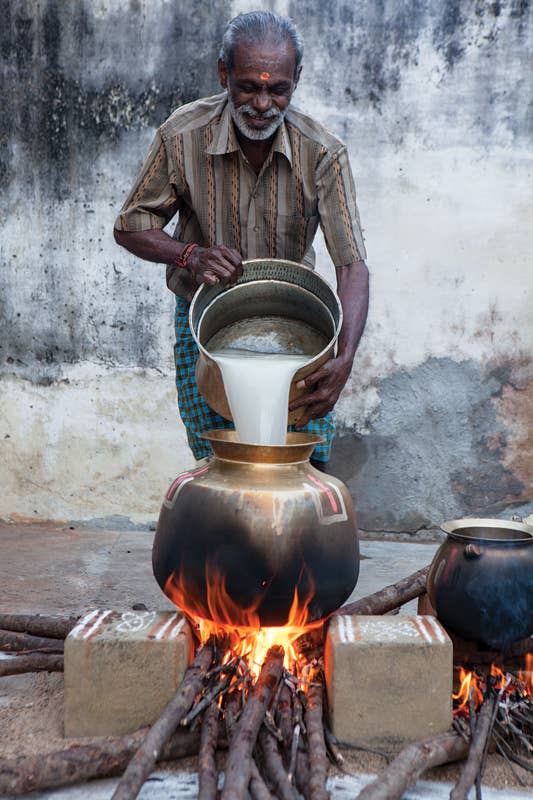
238, 765
102, 759
207, 768
314, 722
24, 642
274, 766
393, 596
409, 764
301, 772
146, 756
472, 766
283, 716
31, 662
257, 787
55, 627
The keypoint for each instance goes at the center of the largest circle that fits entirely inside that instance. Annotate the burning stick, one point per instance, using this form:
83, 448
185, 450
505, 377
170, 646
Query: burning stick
23, 642
103, 759
146, 756
409, 764
31, 662
393, 596
238, 767
318, 762
258, 788
473, 763
274, 766
283, 715
56, 627
207, 768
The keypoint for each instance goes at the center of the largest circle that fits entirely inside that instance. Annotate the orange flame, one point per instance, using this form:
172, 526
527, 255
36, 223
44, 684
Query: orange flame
468, 683
526, 676
505, 684
239, 627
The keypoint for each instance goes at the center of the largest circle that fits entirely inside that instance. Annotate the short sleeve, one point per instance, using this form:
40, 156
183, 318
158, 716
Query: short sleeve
153, 201
337, 208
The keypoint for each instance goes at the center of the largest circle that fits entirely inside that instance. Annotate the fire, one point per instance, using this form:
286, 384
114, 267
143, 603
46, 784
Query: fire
238, 628
469, 683
505, 684
527, 675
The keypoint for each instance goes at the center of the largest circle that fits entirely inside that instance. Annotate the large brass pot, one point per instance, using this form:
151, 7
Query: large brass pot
268, 288
481, 581
266, 521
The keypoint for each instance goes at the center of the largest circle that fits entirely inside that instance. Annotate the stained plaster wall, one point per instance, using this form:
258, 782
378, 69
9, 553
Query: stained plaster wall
432, 99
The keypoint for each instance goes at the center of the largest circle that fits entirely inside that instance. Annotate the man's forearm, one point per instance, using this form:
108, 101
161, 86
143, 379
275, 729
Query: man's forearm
153, 245
206, 264
352, 288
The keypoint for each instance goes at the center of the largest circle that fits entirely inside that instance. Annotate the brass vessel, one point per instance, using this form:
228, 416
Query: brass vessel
268, 288
266, 521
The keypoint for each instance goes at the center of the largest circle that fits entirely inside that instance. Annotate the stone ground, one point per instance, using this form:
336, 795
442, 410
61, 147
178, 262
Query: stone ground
50, 569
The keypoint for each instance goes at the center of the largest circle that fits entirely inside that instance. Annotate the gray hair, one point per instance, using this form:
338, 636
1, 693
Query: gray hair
257, 27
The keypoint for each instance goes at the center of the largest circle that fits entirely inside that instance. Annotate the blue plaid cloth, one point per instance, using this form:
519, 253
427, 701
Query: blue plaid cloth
198, 417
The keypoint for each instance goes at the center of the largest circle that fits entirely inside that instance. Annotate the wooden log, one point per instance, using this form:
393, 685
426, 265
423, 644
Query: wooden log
283, 717
274, 766
393, 596
24, 642
207, 767
55, 627
103, 759
314, 722
146, 756
257, 787
238, 765
301, 773
472, 767
409, 764
31, 662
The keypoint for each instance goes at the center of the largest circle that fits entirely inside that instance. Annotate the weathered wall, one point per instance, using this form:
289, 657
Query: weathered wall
432, 99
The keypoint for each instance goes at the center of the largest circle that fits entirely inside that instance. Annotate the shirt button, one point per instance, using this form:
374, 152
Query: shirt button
256, 228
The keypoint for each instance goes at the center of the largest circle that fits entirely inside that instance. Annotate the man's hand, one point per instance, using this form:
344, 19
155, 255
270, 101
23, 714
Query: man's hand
324, 387
326, 383
214, 265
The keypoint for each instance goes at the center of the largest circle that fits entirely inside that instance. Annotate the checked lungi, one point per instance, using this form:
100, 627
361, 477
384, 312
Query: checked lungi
198, 417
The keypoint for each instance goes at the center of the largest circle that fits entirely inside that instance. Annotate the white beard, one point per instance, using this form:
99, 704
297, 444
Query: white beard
239, 118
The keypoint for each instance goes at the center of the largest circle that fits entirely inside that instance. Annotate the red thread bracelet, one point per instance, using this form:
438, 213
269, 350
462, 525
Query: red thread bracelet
183, 258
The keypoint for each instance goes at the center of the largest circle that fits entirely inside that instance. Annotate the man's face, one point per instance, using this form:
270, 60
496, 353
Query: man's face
260, 87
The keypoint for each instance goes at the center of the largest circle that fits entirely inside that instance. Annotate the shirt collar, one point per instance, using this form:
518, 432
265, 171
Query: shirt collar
225, 140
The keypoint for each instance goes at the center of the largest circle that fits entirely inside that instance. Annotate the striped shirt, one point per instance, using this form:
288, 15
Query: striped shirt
195, 168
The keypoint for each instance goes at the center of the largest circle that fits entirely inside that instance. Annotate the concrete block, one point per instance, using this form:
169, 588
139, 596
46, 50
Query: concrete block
122, 668
389, 678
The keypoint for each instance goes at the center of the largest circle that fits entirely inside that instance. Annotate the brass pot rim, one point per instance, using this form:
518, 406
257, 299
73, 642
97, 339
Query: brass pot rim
226, 446
205, 287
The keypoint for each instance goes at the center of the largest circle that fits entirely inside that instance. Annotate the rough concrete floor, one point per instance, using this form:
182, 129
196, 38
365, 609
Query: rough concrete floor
63, 569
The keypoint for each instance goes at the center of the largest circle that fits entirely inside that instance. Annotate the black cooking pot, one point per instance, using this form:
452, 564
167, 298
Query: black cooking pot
480, 582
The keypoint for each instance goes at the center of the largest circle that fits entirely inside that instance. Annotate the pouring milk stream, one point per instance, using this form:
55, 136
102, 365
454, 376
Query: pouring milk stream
258, 360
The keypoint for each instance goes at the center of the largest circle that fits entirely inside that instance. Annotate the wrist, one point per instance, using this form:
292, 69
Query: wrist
183, 259
345, 358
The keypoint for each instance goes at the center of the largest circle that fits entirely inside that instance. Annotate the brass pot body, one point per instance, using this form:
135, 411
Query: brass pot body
481, 581
268, 522
267, 288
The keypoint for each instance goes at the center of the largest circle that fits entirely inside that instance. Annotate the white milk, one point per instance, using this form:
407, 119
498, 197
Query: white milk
258, 358
257, 387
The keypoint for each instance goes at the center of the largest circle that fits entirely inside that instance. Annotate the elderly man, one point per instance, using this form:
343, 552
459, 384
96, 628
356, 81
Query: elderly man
249, 177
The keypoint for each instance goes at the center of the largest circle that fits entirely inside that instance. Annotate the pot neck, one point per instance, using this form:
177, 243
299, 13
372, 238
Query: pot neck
298, 448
